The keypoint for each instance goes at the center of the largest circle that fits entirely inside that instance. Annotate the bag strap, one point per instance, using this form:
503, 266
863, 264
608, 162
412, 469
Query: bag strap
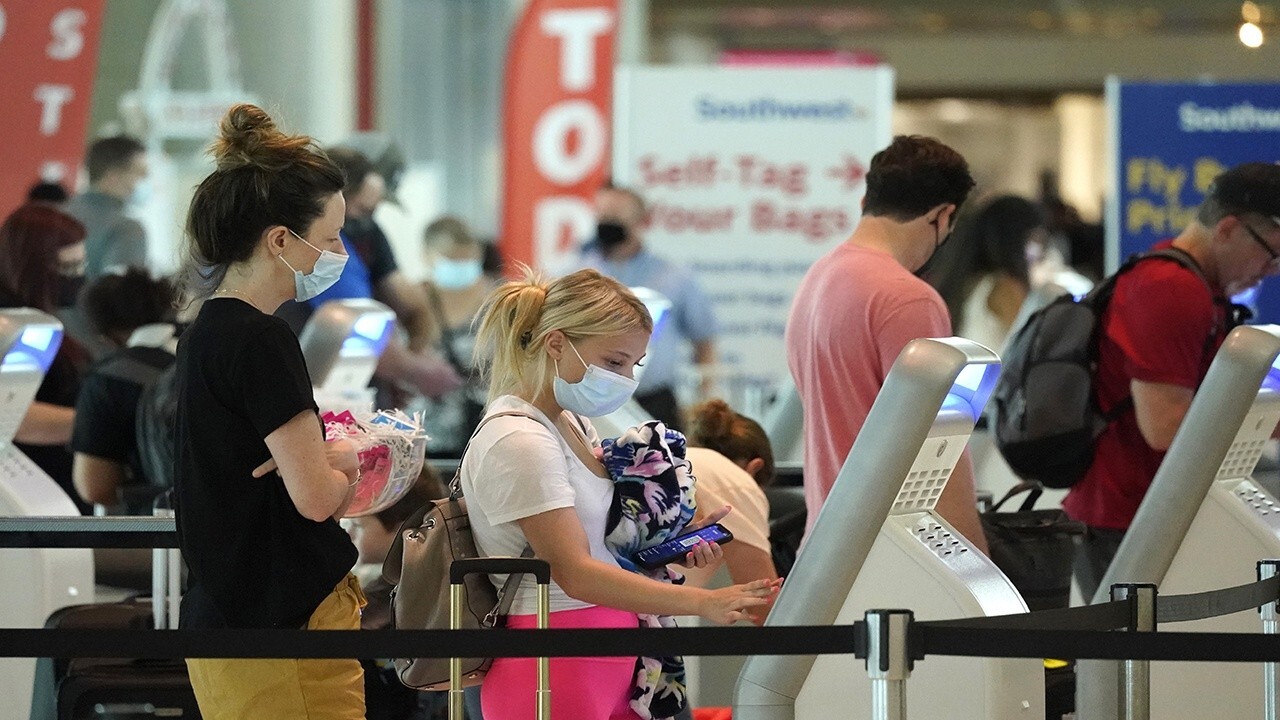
1102, 294
507, 593
1031, 487
455, 485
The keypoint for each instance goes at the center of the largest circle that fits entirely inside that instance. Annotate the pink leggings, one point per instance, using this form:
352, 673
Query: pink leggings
581, 688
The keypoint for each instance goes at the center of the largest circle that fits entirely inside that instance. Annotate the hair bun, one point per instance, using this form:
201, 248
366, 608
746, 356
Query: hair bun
248, 137
712, 421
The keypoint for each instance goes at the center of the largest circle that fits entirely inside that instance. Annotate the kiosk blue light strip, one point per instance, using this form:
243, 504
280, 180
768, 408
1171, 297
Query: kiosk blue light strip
972, 388
34, 349
369, 335
1272, 380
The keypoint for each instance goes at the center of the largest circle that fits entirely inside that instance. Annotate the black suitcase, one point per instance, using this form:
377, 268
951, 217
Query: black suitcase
110, 689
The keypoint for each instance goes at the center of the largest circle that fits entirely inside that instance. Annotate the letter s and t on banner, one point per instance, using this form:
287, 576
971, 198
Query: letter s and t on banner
48, 58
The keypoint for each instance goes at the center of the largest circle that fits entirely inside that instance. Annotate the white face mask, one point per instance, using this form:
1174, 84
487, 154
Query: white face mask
322, 277
456, 274
598, 393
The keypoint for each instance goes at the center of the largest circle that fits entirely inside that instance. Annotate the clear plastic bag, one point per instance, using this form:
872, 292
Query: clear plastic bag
391, 447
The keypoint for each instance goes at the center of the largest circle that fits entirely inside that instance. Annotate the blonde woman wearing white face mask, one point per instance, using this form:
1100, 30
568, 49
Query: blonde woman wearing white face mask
560, 352
456, 289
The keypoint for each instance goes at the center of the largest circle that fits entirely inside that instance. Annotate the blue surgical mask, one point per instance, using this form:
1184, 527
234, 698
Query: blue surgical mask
141, 194
450, 274
322, 277
598, 393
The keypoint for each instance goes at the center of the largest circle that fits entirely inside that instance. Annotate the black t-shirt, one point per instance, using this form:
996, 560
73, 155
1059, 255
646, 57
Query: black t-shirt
255, 561
107, 410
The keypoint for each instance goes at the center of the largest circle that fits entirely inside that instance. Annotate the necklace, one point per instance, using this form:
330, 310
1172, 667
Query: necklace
237, 293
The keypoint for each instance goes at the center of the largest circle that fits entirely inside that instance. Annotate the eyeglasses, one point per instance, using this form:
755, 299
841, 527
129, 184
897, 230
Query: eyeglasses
1275, 256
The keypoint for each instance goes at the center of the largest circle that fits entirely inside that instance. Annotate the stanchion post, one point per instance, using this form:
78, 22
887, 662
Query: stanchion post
456, 602
889, 662
1135, 675
1268, 569
164, 575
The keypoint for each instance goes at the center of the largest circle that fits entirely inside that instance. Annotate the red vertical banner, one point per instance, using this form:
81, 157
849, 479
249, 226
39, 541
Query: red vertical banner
366, 38
556, 127
48, 57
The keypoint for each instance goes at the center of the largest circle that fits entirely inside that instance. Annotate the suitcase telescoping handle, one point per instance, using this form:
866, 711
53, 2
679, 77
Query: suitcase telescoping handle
539, 569
541, 572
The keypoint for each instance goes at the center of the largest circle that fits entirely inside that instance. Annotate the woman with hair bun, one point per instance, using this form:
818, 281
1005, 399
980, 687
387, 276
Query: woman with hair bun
733, 461
259, 490
558, 353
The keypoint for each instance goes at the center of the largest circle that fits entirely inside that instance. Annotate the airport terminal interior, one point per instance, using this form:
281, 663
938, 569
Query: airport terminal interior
945, 330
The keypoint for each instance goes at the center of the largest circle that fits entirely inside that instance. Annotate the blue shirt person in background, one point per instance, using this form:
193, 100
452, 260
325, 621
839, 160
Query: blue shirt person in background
618, 251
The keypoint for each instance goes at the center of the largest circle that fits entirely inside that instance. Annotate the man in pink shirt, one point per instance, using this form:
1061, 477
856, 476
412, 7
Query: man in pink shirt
859, 306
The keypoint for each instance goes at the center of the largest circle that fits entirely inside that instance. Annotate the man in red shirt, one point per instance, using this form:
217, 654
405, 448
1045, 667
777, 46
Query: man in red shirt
1159, 334
860, 305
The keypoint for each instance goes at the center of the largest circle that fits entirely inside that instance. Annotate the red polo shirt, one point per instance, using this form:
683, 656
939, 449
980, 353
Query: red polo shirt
1163, 325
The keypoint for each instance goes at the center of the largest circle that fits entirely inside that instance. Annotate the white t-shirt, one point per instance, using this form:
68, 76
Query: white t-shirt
517, 467
981, 325
719, 482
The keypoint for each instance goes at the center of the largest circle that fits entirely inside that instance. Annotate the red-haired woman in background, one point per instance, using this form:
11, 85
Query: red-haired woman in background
42, 267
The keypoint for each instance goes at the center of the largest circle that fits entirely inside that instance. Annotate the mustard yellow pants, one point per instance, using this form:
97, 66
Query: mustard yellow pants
288, 689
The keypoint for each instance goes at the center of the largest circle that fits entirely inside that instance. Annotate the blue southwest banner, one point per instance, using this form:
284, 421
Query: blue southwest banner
1171, 141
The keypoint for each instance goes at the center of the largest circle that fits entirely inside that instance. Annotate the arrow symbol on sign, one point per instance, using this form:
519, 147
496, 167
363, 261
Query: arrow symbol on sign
850, 172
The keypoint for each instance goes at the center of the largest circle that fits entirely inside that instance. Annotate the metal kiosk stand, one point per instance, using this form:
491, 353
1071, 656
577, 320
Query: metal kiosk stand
1204, 524
37, 581
341, 343
878, 543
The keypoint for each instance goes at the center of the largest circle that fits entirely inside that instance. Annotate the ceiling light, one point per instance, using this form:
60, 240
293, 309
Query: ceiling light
1251, 35
1251, 12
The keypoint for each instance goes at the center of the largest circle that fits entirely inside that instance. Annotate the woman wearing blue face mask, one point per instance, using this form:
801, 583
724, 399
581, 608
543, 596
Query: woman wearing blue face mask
259, 490
557, 353
455, 290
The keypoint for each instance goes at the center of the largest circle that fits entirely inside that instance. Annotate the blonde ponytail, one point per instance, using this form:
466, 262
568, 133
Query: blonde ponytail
517, 317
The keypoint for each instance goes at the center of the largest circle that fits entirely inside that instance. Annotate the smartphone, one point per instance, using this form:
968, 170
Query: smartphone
675, 549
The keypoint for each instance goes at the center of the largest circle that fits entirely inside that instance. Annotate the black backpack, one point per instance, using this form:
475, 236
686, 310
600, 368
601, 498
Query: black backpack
154, 426
1045, 414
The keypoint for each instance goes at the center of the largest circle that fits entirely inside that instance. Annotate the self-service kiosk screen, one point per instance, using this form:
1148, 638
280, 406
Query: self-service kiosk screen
21, 370
359, 353
972, 388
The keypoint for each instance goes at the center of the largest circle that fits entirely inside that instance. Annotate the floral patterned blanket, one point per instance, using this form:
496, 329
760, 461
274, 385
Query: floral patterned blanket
653, 501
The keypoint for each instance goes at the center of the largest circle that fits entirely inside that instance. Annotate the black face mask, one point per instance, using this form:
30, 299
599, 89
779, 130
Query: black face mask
359, 226
938, 241
69, 287
611, 234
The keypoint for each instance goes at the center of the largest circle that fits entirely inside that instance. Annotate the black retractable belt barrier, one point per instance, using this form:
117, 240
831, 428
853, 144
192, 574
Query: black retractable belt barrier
926, 639
1104, 616
1078, 633
1092, 645
1198, 606
159, 644
88, 532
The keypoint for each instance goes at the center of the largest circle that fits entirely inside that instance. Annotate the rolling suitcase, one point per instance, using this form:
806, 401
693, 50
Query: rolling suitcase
120, 689
458, 572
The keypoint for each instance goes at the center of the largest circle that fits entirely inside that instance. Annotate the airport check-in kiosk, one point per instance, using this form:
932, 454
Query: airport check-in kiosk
36, 581
1203, 525
341, 343
878, 543
784, 423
